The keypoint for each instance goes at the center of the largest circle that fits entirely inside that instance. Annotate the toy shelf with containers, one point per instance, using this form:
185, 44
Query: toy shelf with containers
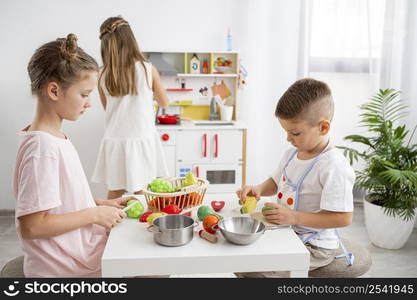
189, 78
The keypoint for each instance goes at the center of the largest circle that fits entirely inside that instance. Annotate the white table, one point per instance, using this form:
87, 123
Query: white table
131, 251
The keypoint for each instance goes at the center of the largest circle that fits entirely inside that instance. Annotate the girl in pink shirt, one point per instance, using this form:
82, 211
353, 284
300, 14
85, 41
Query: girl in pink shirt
62, 228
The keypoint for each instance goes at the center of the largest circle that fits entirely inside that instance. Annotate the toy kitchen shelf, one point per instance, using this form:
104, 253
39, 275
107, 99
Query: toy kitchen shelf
189, 78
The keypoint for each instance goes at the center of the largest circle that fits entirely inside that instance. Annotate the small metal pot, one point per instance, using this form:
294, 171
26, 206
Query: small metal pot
173, 230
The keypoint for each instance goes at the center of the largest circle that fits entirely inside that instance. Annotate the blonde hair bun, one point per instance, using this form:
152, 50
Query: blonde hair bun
69, 47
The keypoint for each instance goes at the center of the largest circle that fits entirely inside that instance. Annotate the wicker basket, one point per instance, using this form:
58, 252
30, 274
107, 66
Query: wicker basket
187, 197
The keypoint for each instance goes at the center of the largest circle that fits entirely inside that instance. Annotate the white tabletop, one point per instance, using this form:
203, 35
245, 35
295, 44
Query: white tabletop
131, 251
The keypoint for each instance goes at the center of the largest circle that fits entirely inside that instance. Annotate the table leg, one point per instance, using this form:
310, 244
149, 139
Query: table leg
303, 273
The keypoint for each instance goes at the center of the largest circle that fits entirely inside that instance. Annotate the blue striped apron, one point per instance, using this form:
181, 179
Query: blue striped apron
289, 196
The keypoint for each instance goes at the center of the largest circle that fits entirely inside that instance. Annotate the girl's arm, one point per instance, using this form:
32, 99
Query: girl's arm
102, 97
158, 90
42, 225
120, 202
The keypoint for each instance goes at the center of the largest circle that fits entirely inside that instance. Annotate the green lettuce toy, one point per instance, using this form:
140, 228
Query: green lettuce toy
159, 185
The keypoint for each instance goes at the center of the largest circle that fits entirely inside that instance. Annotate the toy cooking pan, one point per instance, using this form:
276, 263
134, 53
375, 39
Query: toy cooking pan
168, 119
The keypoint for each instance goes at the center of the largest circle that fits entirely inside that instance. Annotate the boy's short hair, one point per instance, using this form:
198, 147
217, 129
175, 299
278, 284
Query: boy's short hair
306, 99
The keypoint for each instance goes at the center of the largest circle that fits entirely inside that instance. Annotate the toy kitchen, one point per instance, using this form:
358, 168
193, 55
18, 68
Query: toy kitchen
199, 130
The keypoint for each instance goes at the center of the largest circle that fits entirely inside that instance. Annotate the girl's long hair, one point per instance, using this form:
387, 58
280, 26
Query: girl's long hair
120, 52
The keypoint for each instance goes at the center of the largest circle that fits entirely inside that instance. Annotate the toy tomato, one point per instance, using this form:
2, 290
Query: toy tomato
217, 205
210, 223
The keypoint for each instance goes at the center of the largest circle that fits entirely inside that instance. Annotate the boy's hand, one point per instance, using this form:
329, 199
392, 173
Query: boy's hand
117, 202
280, 214
248, 190
107, 216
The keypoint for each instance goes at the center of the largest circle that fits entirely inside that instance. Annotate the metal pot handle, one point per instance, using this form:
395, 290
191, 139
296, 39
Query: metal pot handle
149, 228
153, 229
196, 223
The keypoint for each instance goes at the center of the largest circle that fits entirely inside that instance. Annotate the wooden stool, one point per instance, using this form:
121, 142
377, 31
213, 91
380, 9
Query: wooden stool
339, 268
13, 268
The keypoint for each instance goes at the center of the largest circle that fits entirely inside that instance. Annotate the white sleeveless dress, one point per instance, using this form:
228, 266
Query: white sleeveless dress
130, 154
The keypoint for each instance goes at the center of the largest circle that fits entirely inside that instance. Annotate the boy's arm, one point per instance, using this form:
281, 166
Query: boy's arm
322, 219
266, 188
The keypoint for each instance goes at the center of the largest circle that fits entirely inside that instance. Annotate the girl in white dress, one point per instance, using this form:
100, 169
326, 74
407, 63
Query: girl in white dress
130, 154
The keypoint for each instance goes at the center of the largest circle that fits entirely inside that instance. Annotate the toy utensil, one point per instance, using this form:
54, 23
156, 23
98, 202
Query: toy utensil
130, 205
212, 238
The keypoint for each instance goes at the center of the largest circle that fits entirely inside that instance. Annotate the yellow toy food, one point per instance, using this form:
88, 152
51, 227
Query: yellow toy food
153, 216
248, 206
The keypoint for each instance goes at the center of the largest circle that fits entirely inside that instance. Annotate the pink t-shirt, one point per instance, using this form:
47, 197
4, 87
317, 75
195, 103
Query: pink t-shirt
49, 177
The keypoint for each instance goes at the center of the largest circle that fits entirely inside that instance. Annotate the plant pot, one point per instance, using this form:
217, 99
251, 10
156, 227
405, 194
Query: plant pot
385, 231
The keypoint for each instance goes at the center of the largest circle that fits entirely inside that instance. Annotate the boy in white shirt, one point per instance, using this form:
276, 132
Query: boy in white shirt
314, 181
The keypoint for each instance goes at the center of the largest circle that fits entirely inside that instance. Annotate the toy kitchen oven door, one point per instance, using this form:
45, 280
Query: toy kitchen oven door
223, 178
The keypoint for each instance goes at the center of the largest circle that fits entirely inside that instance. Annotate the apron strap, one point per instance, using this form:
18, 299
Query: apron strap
350, 258
347, 255
300, 181
289, 182
307, 239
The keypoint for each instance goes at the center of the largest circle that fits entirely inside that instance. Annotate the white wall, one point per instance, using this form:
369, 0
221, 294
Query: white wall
270, 55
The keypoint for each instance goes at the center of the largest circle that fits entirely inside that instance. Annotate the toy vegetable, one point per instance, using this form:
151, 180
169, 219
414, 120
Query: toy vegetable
145, 216
172, 209
204, 210
159, 185
189, 179
267, 208
217, 205
248, 206
210, 223
153, 216
136, 210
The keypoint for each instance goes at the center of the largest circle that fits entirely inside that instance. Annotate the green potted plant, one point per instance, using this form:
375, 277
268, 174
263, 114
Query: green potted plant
390, 173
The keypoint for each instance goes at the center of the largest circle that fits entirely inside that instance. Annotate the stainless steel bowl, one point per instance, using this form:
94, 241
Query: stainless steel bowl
173, 230
241, 230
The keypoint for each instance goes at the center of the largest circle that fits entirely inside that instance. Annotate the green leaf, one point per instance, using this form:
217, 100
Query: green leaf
359, 139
